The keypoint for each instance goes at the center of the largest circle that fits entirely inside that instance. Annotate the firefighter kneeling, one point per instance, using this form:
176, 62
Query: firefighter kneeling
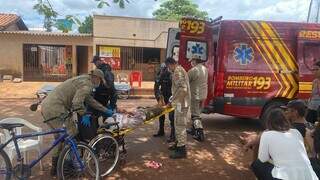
198, 78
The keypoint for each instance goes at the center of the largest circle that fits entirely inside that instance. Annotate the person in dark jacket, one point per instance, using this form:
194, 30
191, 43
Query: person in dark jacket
162, 88
105, 94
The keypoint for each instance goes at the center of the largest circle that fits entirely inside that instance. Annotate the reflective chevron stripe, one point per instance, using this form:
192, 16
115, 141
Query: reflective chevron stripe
276, 54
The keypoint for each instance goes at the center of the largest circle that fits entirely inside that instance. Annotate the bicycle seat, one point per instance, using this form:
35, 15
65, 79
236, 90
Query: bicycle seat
10, 126
108, 125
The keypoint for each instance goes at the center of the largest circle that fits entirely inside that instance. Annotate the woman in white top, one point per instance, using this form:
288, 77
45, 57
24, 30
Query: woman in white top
284, 147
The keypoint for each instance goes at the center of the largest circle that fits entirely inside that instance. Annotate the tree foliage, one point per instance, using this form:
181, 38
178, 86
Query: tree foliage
44, 7
87, 25
176, 9
103, 3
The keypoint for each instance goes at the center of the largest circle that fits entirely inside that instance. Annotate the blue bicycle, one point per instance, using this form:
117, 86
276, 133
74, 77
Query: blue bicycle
76, 161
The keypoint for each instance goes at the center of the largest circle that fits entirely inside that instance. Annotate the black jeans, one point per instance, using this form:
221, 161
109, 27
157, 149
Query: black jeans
162, 118
262, 170
161, 121
315, 163
87, 133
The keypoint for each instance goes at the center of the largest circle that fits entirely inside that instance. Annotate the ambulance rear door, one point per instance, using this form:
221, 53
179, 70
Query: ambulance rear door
173, 43
308, 52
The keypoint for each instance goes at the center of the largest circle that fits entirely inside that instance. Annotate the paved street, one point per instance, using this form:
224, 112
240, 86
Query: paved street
219, 157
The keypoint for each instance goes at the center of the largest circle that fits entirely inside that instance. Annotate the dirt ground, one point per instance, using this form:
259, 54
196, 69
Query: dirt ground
220, 157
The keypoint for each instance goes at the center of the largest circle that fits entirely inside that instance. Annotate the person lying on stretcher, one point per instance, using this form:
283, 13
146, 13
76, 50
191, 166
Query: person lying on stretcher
128, 120
89, 123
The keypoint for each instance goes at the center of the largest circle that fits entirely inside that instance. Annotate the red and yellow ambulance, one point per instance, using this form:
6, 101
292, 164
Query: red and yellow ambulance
254, 66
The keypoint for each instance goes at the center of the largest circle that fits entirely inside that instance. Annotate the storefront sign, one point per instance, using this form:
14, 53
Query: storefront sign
111, 55
34, 49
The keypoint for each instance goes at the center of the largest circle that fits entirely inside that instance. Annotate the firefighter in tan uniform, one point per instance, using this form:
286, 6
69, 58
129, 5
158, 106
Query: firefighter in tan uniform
71, 94
198, 79
180, 100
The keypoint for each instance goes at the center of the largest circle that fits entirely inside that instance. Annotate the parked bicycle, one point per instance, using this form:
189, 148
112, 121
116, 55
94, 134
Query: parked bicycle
76, 161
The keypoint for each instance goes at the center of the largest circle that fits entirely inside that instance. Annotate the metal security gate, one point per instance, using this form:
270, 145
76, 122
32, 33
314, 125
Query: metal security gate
145, 60
46, 62
131, 58
138, 59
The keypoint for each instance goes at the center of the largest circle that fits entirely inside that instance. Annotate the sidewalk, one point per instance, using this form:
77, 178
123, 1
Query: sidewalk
27, 90
24, 90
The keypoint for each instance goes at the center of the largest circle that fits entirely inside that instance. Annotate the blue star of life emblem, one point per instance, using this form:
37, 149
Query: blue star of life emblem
243, 54
197, 49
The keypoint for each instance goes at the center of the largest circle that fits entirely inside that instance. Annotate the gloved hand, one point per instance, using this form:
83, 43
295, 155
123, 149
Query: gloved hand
109, 112
86, 120
169, 104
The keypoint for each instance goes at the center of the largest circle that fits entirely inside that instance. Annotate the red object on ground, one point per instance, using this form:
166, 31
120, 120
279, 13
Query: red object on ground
153, 164
135, 76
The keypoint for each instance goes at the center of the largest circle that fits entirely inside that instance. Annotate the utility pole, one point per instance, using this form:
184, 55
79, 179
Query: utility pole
314, 12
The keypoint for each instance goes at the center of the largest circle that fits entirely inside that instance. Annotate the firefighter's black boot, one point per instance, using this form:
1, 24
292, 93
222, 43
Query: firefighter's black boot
172, 137
199, 135
179, 153
173, 147
54, 162
159, 134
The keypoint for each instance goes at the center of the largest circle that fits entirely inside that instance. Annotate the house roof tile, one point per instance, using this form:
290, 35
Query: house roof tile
7, 19
41, 33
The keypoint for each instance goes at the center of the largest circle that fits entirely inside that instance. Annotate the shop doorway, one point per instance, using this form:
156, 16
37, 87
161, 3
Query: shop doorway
82, 60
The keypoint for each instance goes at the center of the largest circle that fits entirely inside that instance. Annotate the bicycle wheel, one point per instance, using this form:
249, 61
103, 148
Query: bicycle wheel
5, 166
106, 148
69, 167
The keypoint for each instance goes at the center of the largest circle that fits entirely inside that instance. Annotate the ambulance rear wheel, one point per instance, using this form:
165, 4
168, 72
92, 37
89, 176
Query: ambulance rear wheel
267, 110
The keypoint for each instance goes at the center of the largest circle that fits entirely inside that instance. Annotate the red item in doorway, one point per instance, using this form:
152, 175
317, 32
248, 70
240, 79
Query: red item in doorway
136, 76
62, 69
